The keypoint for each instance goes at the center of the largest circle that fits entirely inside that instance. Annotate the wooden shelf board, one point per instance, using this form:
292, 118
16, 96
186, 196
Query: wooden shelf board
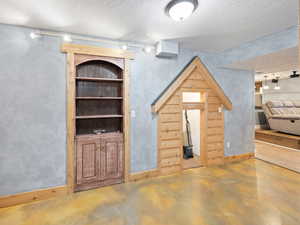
94, 134
99, 79
99, 98
99, 116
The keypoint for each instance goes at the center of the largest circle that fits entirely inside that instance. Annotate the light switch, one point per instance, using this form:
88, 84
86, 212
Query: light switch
228, 144
220, 109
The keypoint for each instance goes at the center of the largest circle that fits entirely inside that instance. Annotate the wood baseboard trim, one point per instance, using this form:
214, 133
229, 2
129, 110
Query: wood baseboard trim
235, 158
37, 195
144, 175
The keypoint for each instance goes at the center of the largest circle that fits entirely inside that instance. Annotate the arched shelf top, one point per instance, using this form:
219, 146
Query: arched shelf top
81, 59
98, 68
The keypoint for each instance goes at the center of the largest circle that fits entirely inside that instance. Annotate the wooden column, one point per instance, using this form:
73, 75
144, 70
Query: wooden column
203, 130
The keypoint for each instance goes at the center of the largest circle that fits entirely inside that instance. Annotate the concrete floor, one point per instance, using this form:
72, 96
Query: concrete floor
246, 193
191, 163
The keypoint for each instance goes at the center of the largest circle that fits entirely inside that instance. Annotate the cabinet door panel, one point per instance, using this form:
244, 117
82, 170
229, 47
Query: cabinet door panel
111, 157
87, 161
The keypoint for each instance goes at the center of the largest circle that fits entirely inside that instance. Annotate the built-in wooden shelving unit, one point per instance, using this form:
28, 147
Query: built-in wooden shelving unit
99, 97
97, 116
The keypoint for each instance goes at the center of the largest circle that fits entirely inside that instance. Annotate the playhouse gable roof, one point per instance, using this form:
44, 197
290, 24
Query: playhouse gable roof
195, 64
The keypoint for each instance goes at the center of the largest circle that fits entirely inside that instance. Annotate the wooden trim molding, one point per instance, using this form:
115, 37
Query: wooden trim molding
235, 158
37, 195
213, 84
144, 175
95, 50
194, 105
70, 121
203, 131
126, 107
80, 59
162, 100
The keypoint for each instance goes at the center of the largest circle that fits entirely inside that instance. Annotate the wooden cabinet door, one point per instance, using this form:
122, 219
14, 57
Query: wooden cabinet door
87, 160
112, 156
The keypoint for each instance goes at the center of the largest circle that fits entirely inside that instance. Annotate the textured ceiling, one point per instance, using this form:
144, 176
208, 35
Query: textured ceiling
215, 26
284, 60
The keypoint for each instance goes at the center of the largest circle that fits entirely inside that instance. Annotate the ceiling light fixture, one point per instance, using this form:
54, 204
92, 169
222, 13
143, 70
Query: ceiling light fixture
67, 38
35, 35
147, 49
124, 47
277, 87
179, 10
294, 75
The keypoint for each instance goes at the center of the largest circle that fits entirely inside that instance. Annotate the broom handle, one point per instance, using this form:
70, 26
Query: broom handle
188, 129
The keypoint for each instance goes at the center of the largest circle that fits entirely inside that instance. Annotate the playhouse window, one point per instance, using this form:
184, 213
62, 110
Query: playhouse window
191, 97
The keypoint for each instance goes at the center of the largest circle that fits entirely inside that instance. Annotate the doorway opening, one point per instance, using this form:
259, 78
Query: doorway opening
193, 107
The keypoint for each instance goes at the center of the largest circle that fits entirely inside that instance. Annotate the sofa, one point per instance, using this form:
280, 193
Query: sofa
283, 116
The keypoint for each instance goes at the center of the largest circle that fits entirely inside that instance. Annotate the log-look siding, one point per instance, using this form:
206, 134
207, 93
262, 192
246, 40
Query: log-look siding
170, 138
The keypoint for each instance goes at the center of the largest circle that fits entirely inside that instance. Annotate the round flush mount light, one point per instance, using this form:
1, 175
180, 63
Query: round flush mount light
179, 10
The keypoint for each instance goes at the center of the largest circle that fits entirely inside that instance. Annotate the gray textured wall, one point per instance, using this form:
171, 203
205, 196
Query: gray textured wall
33, 122
238, 86
150, 75
32, 116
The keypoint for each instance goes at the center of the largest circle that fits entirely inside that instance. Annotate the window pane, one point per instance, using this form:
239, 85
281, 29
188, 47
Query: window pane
191, 97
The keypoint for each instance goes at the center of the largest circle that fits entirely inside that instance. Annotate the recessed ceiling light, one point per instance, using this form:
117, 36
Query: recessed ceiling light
179, 10
67, 38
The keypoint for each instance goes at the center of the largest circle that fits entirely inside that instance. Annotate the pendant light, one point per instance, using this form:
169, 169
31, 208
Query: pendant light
266, 87
148, 49
277, 87
179, 10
